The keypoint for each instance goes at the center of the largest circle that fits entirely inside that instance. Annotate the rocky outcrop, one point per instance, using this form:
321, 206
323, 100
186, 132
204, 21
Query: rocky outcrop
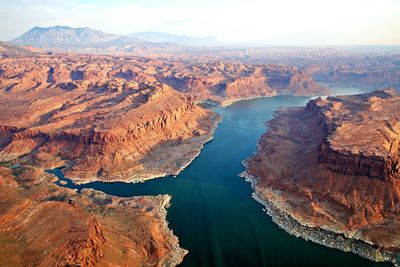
384, 77
330, 173
113, 119
109, 129
85, 251
43, 224
359, 159
353, 164
367, 70
356, 164
225, 83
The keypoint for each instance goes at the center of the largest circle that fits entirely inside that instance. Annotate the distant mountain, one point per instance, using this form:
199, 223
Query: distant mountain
162, 37
87, 40
11, 50
63, 37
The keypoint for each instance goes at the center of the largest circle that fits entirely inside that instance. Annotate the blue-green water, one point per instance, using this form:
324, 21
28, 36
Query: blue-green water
212, 211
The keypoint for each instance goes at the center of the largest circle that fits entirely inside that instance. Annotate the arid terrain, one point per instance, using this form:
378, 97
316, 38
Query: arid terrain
93, 116
138, 114
101, 125
330, 173
163, 133
125, 119
43, 224
108, 118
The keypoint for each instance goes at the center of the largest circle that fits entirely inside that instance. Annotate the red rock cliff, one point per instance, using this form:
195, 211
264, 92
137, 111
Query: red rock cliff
333, 168
103, 125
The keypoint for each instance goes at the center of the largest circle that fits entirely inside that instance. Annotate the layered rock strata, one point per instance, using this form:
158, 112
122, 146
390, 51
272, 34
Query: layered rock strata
330, 173
99, 125
225, 83
43, 224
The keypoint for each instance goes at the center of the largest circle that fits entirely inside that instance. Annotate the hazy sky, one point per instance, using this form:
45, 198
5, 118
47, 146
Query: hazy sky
270, 22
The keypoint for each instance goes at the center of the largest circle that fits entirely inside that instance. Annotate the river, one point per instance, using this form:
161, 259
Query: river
212, 211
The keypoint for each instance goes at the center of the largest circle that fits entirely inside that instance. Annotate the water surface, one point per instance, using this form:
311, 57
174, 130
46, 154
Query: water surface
212, 211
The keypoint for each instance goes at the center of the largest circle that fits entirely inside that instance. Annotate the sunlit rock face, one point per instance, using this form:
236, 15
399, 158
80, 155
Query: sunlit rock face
124, 118
108, 118
47, 225
225, 83
98, 118
334, 166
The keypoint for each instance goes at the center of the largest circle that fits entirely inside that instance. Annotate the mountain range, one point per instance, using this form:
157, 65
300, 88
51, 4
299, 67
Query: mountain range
67, 38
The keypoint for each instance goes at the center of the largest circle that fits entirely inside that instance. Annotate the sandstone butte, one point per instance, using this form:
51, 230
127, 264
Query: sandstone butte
330, 173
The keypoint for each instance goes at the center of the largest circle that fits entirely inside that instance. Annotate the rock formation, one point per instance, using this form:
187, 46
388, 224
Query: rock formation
330, 173
43, 224
108, 118
369, 70
225, 83
364, 77
97, 121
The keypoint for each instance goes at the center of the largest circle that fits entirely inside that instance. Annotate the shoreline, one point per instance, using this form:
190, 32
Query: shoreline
317, 235
227, 103
178, 253
163, 202
143, 178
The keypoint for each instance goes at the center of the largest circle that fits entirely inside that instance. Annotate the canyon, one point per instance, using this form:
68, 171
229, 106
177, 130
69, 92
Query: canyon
139, 114
109, 119
119, 119
330, 173
224, 83
100, 128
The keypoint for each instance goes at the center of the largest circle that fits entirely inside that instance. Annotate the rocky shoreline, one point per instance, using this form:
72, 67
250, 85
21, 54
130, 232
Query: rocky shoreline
229, 102
177, 253
162, 203
148, 175
92, 227
333, 202
317, 235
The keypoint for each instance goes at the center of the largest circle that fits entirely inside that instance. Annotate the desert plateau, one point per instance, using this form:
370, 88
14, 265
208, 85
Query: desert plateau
199, 134
349, 144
